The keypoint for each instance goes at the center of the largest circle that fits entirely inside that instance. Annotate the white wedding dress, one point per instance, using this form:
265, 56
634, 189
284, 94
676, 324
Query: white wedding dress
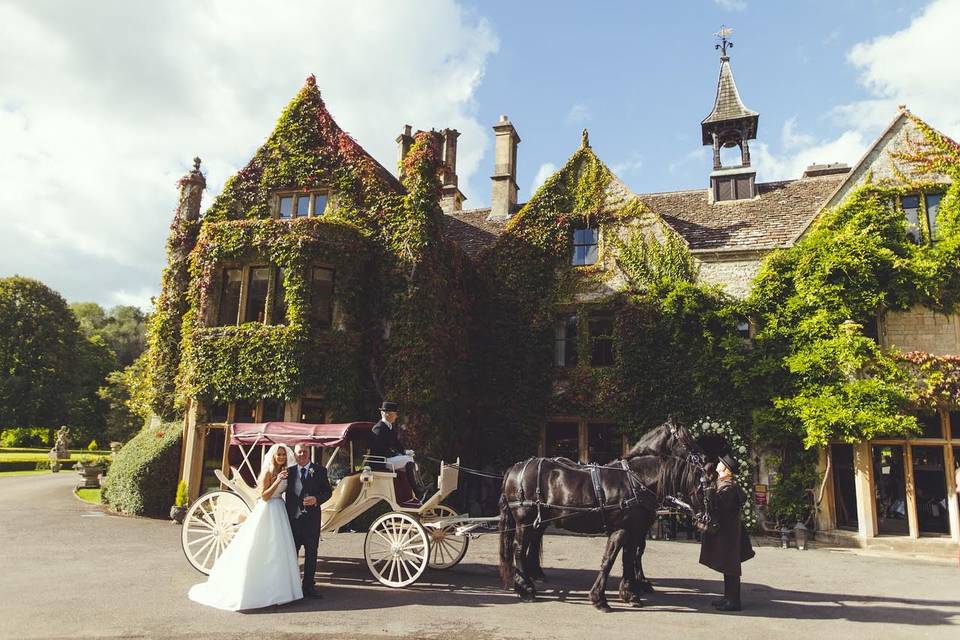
259, 566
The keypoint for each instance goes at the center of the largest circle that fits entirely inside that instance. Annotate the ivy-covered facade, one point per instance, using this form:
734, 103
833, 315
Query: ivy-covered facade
317, 284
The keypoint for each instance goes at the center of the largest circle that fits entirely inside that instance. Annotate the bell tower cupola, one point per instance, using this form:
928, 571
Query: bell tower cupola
730, 124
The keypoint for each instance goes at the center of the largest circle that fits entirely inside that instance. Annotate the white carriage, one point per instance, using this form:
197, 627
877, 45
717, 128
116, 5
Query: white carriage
399, 545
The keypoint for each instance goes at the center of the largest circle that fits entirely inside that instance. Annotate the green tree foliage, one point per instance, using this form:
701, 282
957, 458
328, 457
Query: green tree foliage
123, 328
827, 380
126, 398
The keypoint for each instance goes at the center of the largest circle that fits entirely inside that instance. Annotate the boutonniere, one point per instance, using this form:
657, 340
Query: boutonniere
310, 471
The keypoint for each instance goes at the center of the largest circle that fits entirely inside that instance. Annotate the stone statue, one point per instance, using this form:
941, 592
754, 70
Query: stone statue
61, 443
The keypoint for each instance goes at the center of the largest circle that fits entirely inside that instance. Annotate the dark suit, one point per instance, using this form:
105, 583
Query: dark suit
384, 440
306, 528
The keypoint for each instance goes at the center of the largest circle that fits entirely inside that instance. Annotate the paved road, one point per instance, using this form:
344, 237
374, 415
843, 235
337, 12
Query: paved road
68, 571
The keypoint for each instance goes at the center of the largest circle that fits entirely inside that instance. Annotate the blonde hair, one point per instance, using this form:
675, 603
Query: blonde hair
270, 467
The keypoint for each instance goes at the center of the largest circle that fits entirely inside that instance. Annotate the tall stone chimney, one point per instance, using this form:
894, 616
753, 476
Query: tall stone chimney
451, 198
503, 199
404, 141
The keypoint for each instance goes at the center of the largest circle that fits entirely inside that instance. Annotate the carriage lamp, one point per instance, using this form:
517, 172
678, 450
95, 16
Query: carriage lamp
801, 532
784, 538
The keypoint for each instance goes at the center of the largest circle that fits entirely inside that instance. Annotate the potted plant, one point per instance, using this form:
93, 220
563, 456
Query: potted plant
89, 471
179, 509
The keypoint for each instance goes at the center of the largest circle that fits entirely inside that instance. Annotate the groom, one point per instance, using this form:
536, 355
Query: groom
307, 489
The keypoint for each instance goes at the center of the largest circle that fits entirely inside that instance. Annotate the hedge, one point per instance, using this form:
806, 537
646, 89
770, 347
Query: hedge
31, 465
143, 476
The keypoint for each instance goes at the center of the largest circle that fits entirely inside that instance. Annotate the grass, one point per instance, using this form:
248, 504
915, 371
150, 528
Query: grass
10, 474
89, 495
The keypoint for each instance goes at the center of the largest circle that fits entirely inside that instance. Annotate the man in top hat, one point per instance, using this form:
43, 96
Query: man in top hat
385, 442
729, 545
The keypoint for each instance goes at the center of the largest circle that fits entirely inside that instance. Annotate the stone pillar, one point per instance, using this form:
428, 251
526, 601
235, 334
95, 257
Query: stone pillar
503, 199
716, 152
866, 500
744, 152
953, 500
826, 515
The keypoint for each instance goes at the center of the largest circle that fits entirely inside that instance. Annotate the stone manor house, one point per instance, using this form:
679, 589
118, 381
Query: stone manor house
729, 223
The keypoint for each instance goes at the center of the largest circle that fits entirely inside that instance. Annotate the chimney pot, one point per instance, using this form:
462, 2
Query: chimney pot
503, 198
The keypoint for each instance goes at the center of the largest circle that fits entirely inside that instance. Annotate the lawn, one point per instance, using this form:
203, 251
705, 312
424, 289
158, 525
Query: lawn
89, 495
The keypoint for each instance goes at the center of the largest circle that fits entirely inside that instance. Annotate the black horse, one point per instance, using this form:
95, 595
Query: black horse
619, 499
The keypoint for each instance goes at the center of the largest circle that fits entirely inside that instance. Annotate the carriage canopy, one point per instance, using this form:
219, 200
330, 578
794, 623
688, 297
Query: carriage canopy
294, 433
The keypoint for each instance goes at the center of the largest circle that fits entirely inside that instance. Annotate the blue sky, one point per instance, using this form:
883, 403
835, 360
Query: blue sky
95, 131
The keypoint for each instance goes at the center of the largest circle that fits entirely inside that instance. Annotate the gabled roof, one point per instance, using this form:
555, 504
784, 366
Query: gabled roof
767, 222
727, 106
866, 165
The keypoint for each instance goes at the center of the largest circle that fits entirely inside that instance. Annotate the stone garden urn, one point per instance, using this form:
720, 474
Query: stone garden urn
178, 513
89, 476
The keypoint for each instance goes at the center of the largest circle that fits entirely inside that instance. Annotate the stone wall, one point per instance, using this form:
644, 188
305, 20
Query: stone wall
921, 329
735, 275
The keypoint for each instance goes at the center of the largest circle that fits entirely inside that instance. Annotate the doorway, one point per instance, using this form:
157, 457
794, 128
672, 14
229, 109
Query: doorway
844, 486
888, 473
930, 480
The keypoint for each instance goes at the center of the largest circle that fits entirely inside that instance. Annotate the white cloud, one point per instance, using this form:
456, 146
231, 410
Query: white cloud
731, 5
632, 164
578, 114
103, 106
915, 66
546, 170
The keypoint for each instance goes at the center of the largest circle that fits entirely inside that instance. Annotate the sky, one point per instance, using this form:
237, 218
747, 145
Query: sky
104, 104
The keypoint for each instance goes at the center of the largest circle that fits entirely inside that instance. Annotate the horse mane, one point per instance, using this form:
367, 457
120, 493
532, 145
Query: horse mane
653, 442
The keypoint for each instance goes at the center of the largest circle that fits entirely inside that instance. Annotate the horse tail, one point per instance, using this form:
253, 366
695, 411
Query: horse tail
508, 527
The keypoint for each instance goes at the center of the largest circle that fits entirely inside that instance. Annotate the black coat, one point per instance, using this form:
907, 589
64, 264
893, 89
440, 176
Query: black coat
316, 484
384, 441
724, 549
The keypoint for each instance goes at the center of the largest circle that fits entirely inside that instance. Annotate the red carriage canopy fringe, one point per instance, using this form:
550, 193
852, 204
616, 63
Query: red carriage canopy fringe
294, 433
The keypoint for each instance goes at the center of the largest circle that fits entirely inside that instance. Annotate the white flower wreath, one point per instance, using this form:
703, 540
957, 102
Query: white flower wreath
740, 452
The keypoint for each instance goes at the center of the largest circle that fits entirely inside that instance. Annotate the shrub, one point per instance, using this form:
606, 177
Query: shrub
92, 446
23, 437
143, 477
183, 494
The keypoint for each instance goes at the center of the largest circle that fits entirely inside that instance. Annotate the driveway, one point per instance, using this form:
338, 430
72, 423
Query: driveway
70, 571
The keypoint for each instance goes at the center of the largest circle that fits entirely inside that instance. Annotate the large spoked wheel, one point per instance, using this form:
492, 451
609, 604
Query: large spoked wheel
209, 526
397, 549
446, 548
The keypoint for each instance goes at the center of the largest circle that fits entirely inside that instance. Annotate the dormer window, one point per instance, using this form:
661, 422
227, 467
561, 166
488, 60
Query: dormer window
585, 241
302, 203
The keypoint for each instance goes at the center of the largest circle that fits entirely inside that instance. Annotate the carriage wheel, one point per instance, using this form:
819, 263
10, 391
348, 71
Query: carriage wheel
209, 526
397, 549
446, 548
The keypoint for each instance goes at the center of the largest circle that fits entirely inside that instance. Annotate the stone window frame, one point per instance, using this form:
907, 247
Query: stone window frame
925, 227
563, 340
333, 293
574, 244
295, 196
213, 312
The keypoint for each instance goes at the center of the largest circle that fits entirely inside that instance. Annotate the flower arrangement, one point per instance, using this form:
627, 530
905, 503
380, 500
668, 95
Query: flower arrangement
740, 451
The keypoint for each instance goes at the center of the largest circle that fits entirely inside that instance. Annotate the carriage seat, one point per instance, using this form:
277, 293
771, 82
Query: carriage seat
238, 484
344, 495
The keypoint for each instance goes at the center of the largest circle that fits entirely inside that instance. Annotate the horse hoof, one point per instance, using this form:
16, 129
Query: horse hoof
647, 587
603, 607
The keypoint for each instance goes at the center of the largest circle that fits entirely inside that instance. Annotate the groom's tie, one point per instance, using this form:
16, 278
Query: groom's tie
303, 477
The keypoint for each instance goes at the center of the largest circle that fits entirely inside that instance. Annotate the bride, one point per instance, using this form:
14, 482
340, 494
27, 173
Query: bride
259, 566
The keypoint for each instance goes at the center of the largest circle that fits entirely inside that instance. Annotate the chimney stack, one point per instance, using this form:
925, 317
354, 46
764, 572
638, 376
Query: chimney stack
451, 198
404, 140
503, 199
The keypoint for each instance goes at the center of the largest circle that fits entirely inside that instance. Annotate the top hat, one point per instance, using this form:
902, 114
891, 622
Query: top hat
389, 406
730, 462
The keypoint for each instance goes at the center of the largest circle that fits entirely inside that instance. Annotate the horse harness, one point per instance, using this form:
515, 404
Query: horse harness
593, 469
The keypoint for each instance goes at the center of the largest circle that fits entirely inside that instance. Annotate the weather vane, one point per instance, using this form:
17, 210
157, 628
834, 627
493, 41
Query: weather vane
724, 43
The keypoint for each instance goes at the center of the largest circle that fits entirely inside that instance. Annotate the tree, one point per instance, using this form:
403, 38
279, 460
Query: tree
39, 344
127, 399
123, 328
